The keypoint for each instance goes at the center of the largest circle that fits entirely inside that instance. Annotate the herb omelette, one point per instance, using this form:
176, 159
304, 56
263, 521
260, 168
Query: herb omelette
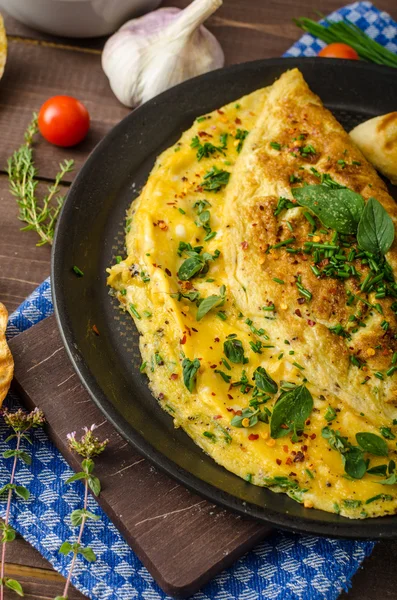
260, 274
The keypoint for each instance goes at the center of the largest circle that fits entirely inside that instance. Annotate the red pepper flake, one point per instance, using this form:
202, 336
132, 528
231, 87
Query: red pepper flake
288, 461
188, 331
298, 312
174, 376
278, 461
307, 421
161, 396
285, 448
163, 225
218, 417
292, 474
244, 245
217, 339
195, 330
204, 134
168, 272
213, 366
303, 448
184, 178
300, 457
95, 329
230, 409
170, 204
301, 300
311, 323
183, 340
313, 436
213, 394
230, 397
253, 436
221, 112
237, 121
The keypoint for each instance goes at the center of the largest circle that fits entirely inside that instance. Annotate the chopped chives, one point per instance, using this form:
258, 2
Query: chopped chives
298, 366
135, 312
277, 280
78, 271
182, 211
271, 307
285, 243
143, 366
221, 315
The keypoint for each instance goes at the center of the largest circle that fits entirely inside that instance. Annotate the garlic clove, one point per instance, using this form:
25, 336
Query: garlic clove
159, 50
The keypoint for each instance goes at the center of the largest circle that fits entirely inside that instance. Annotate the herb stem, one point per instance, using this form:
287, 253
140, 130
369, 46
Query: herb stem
7, 516
79, 538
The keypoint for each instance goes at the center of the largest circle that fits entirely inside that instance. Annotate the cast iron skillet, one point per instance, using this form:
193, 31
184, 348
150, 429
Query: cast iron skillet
90, 234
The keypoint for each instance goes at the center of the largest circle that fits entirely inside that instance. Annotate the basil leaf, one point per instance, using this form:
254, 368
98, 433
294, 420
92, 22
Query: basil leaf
355, 465
372, 443
376, 229
379, 470
290, 412
264, 382
339, 209
190, 368
234, 351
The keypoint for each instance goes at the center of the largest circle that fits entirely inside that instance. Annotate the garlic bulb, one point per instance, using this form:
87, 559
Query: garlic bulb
151, 54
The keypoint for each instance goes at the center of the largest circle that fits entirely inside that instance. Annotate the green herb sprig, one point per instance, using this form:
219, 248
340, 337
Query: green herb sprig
21, 423
348, 33
88, 446
22, 176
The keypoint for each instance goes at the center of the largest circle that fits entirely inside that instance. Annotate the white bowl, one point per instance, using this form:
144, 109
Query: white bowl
77, 18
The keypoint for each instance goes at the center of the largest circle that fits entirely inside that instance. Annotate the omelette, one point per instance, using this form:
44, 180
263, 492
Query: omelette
259, 271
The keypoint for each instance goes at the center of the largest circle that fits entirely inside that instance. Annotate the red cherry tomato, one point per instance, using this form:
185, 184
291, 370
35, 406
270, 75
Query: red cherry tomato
338, 51
63, 121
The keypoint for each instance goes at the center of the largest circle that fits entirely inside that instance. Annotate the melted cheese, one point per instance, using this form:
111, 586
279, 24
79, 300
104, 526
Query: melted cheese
147, 286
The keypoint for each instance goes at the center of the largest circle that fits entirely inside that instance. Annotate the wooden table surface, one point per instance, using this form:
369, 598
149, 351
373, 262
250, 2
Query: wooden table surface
40, 66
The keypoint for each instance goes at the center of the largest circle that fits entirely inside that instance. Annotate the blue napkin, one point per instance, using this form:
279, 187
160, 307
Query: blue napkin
285, 566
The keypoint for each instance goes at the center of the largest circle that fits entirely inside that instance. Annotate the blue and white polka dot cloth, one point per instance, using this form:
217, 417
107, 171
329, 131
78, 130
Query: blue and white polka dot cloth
285, 566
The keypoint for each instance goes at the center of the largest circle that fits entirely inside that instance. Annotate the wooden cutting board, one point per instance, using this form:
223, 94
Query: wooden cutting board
181, 539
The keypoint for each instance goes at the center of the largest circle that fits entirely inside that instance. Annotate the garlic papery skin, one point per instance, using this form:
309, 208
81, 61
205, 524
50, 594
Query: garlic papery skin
148, 55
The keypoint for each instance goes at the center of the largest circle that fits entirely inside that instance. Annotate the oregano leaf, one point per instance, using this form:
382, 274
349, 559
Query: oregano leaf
14, 585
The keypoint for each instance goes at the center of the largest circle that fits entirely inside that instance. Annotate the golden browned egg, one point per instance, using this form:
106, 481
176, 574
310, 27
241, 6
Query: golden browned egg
244, 344
6, 360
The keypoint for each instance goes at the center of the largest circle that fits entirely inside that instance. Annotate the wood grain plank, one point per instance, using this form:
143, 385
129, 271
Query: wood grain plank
182, 539
33, 74
23, 264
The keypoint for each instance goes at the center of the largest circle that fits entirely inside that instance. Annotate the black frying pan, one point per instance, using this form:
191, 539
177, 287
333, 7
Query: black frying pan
90, 234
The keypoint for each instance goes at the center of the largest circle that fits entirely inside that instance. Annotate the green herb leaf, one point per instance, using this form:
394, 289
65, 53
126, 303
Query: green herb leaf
190, 368
22, 492
355, 464
291, 411
387, 433
88, 554
340, 209
14, 585
372, 443
76, 477
376, 229
66, 548
215, 179
264, 382
94, 484
233, 348
330, 414
379, 470
210, 302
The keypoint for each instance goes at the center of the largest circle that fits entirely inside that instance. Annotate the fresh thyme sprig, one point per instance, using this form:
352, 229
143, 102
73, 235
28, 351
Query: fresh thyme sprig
21, 423
88, 446
41, 217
